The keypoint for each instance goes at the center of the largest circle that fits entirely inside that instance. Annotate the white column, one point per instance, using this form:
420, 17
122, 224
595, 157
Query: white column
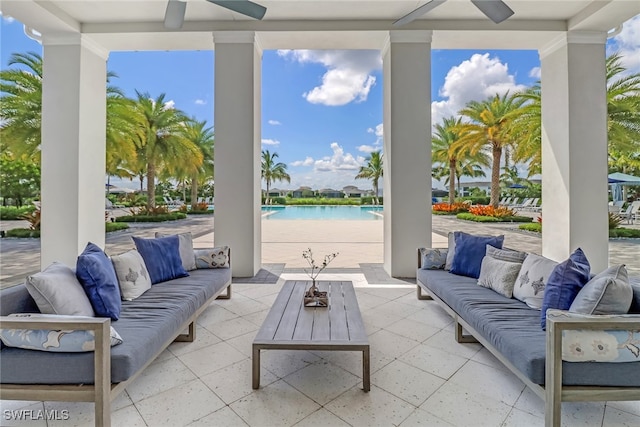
407, 149
574, 148
73, 147
237, 171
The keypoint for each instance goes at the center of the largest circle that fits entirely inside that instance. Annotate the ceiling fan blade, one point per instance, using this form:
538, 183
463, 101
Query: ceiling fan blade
174, 16
496, 10
245, 7
415, 14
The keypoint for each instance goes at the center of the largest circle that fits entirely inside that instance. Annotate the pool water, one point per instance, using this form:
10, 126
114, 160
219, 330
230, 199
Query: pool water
322, 212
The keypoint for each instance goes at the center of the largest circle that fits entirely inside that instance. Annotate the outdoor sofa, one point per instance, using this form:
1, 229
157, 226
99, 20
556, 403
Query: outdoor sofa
146, 326
511, 330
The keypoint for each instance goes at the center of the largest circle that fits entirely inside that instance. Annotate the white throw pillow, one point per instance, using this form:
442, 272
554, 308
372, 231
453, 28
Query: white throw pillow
531, 281
212, 258
132, 273
499, 275
56, 290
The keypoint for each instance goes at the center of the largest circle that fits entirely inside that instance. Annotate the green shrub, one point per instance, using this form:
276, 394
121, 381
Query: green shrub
275, 200
115, 226
625, 232
614, 221
483, 200
368, 200
444, 213
200, 212
479, 218
11, 213
534, 226
22, 232
152, 218
323, 201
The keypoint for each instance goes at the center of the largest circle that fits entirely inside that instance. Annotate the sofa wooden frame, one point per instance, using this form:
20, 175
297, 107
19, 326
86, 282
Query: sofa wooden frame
554, 395
102, 392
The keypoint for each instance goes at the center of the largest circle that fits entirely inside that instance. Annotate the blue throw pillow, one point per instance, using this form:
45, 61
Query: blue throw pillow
162, 258
564, 283
95, 272
469, 252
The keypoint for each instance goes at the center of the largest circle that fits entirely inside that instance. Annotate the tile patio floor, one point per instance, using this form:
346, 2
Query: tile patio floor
419, 374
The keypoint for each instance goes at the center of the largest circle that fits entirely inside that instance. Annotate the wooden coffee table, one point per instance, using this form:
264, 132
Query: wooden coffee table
291, 326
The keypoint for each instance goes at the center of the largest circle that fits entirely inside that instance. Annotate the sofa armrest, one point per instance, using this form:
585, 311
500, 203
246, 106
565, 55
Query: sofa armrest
102, 353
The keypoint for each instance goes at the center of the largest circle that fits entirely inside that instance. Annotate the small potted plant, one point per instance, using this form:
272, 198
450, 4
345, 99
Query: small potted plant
313, 297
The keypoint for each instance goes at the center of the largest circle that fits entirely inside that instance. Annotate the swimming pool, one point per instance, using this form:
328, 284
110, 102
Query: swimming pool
322, 212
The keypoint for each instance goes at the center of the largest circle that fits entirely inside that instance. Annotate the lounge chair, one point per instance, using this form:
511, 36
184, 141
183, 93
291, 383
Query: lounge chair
632, 213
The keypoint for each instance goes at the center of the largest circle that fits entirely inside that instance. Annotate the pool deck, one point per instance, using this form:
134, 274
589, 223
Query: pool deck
359, 242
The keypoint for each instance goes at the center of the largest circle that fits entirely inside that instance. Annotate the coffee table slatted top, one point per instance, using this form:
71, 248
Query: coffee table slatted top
290, 324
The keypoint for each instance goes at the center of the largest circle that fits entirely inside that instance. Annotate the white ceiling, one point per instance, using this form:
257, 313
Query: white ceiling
138, 25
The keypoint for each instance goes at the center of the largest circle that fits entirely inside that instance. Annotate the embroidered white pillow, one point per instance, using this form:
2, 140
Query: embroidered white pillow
132, 273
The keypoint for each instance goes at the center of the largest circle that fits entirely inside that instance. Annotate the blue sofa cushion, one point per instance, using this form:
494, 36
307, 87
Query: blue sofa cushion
513, 329
469, 252
145, 325
98, 278
564, 283
162, 258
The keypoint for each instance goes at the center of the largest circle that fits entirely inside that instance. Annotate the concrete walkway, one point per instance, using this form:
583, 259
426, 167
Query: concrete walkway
360, 243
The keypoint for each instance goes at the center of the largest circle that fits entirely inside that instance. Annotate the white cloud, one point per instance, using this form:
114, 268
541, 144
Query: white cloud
348, 77
270, 142
306, 162
338, 161
536, 72
200, 102
628, 44
274, 122
7, 19
477, 78
367, 148
379, 133
170, 105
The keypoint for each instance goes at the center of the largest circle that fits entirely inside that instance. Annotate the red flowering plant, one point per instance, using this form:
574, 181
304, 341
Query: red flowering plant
452, 208
488, 210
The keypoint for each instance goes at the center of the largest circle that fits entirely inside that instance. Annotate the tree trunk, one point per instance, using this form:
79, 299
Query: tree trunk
452, 181
141, 178
151, 186
375, 190
495, 175
194, 191
266, 196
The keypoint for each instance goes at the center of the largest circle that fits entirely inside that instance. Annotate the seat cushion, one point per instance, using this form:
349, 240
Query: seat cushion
146, 324
513, 329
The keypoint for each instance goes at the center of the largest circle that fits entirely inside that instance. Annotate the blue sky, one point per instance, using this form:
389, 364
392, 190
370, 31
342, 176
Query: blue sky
321, 110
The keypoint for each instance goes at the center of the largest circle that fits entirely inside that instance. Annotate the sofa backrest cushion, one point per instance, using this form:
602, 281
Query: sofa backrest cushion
162, 258
564, 283
635, 304
95, 271
469, 252
132, 273
185, 247
608, 293
532, 279
451, 250
56, 290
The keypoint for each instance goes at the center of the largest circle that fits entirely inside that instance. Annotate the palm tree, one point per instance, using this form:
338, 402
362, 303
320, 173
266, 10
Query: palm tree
526, 129
20, 115
273, 171
623, 106
489, 129
202, 136
159, 139
623, 118
373, 170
